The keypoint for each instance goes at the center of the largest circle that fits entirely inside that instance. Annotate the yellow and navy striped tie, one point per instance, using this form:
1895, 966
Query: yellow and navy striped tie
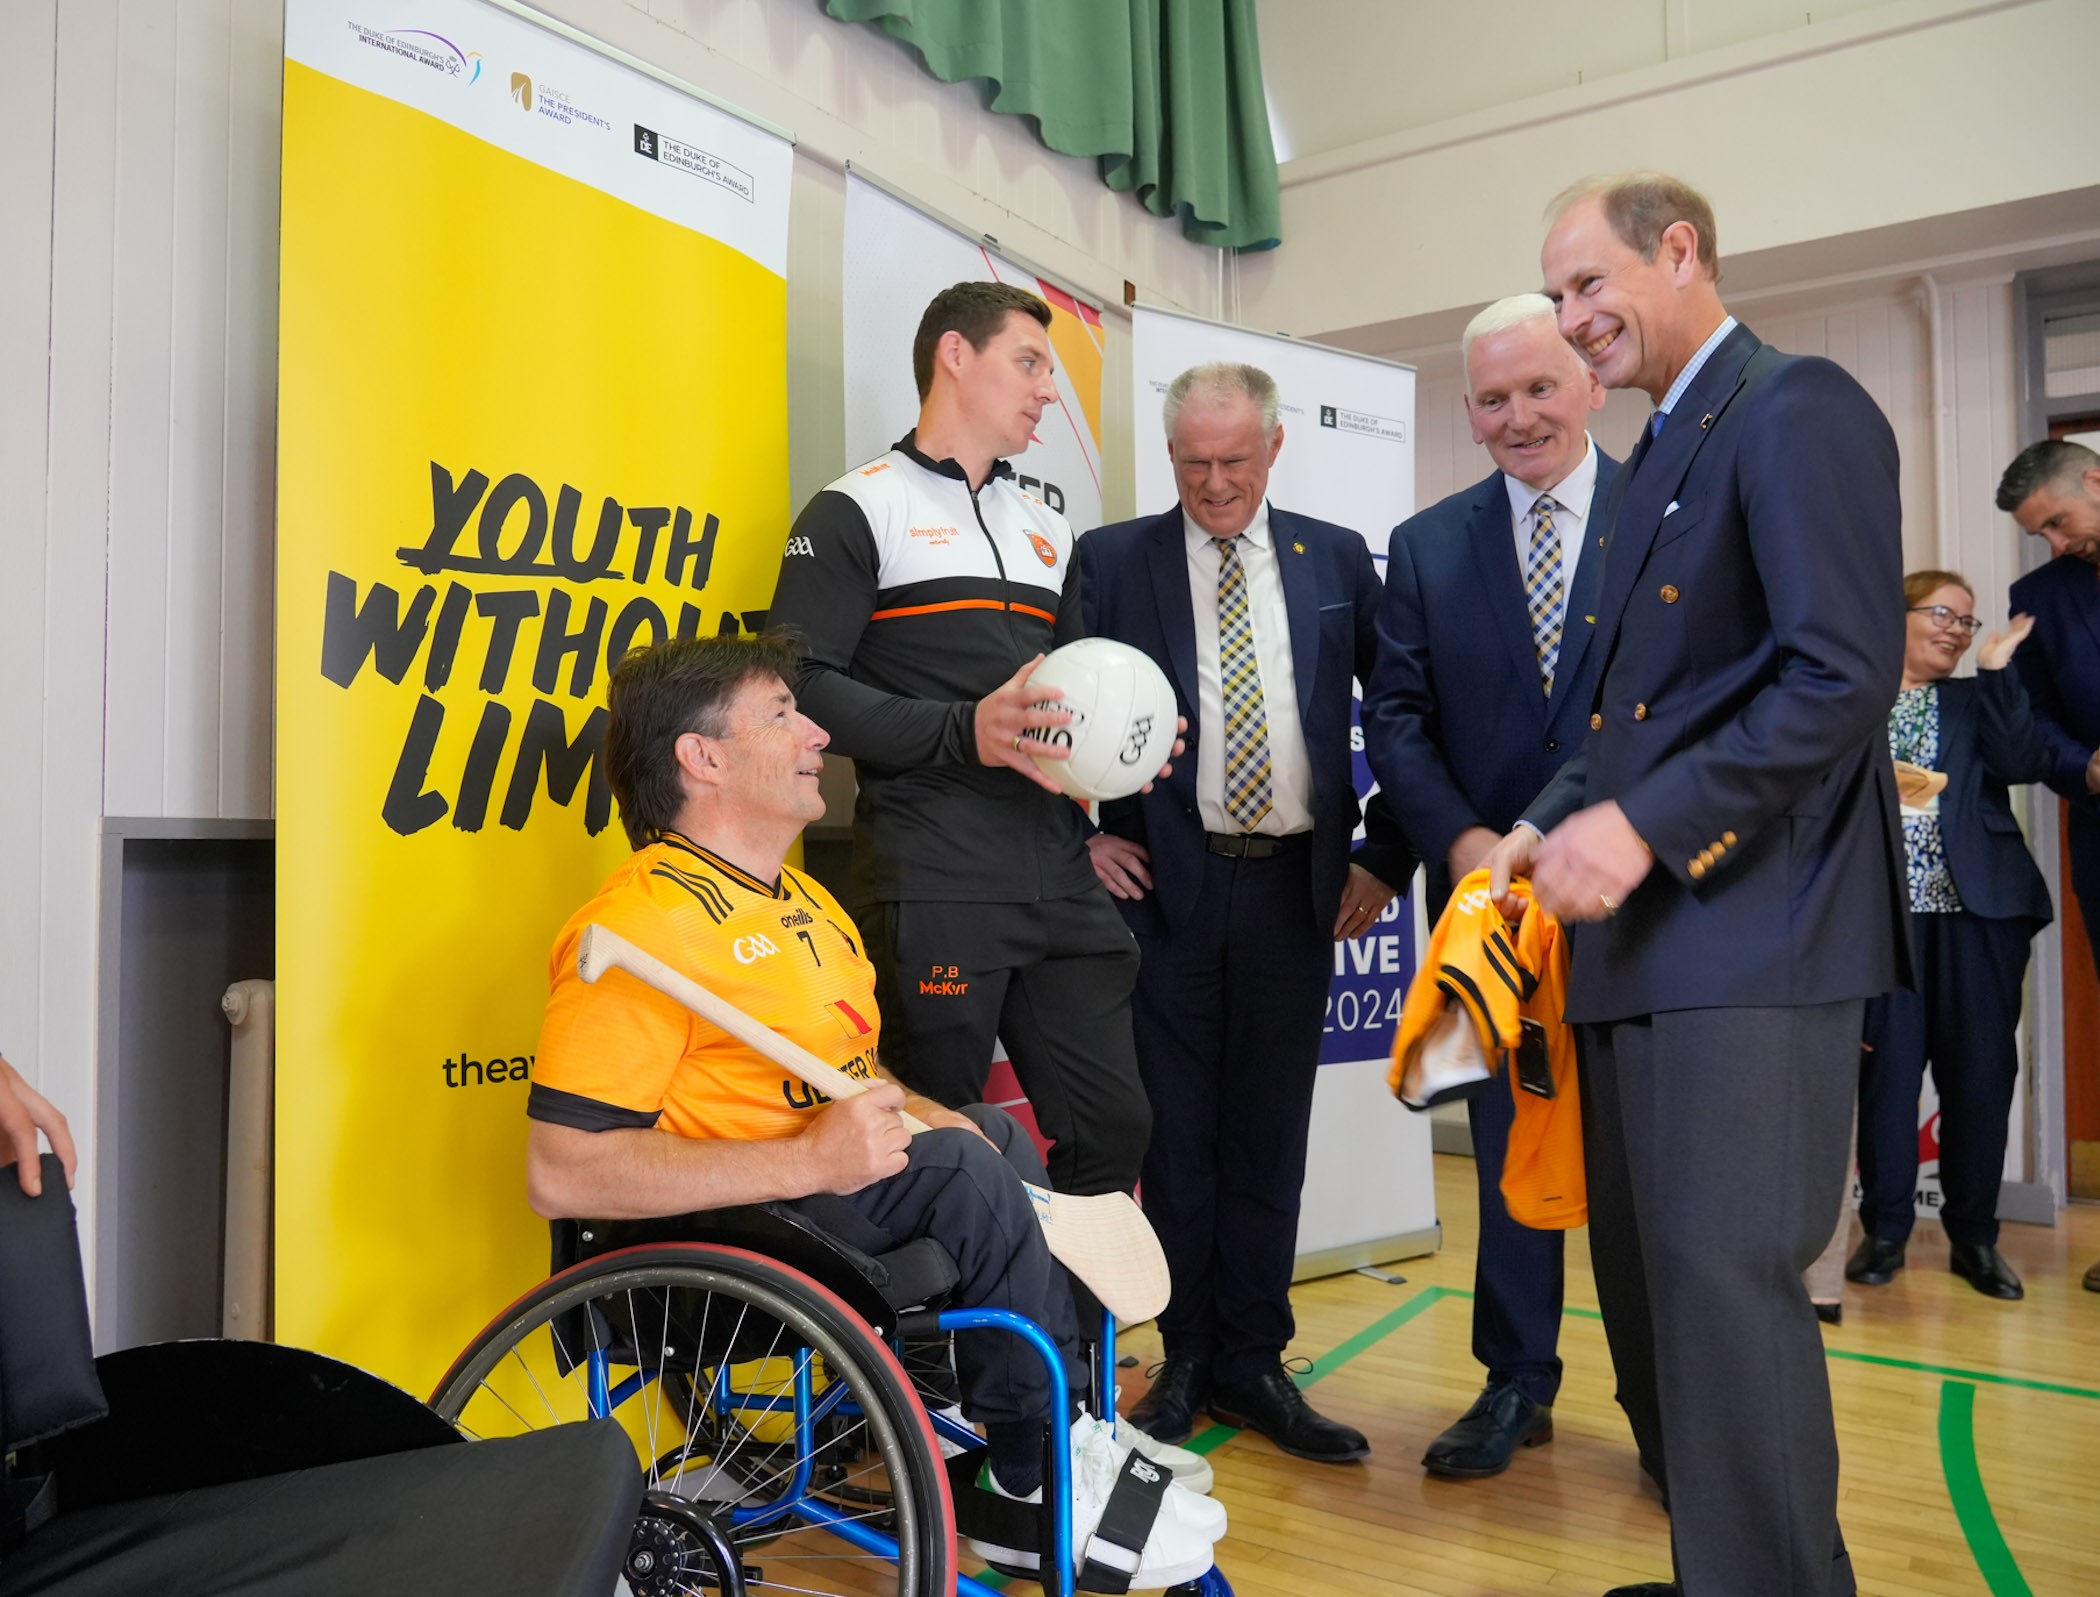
1542, 589
1247, 788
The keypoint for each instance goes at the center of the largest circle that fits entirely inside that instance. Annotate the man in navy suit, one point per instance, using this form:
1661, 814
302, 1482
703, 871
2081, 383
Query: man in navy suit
2052, 490
1482, 693
1729, 835
1237, 877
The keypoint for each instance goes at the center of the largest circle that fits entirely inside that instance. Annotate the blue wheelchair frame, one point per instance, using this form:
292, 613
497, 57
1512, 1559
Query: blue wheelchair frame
808, 1409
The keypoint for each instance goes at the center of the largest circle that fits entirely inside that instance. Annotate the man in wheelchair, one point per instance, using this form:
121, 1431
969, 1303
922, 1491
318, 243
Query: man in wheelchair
640, 1108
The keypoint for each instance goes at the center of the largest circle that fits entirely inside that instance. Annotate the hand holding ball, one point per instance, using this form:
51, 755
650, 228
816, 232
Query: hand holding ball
1123, 719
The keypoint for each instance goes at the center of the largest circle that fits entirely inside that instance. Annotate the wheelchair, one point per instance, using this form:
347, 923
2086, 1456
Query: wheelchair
759, 1366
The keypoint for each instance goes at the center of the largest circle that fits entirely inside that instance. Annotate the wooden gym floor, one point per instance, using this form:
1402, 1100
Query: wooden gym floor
1970, 1433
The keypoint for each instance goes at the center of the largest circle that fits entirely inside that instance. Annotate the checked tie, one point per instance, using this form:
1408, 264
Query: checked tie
1542, 589
1247, 791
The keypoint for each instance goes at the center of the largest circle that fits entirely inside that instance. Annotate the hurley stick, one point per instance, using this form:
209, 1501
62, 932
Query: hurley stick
1105, 1240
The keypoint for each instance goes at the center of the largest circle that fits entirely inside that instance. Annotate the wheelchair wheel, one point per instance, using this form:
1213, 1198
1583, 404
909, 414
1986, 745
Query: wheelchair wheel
774, 1429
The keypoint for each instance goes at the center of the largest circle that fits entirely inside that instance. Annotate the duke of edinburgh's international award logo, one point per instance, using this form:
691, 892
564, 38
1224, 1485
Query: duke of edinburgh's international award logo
1045, 550
521, 91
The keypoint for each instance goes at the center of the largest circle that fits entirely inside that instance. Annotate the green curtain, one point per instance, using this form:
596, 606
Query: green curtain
1166, 93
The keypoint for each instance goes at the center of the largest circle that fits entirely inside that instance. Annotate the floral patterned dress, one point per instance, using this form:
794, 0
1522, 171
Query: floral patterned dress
1914, 735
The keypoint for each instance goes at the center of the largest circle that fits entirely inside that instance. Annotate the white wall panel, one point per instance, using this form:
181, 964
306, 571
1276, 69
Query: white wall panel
65, 764
28, 39
197, 366
247, 563
140, 420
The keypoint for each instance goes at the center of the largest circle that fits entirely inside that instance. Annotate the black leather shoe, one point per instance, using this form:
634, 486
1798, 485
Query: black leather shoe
1167, 1413
1272, 1404
1874, 1262
1647, 1588
1501, 1420
1831, 1313
1981, 1265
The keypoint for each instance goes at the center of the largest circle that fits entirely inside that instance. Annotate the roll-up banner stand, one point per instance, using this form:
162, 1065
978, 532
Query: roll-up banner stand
897, 258
532, 411
1348, 457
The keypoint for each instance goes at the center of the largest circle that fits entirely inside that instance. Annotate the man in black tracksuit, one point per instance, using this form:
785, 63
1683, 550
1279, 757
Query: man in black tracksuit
926, 586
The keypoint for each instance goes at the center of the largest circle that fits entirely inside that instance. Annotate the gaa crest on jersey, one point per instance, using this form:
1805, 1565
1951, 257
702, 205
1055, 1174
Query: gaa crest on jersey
1045, 550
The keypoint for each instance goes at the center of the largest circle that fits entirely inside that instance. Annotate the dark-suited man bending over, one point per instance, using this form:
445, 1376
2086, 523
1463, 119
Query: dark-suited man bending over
1482, 693
1729, 833
1237, 877
2052, 490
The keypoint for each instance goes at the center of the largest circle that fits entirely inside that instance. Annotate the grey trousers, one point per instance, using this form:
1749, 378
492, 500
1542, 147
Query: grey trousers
1716, 1146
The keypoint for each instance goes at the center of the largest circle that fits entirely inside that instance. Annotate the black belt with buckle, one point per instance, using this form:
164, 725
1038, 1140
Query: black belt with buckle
1251, 845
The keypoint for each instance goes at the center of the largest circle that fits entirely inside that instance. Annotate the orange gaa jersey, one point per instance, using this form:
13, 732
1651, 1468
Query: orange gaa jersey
618, 1053
1495, 995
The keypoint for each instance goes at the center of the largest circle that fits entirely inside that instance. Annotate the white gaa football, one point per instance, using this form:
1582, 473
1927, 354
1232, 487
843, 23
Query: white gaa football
1122, 726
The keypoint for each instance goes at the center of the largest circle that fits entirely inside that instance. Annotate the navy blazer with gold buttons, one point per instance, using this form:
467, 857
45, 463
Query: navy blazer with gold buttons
1750, 637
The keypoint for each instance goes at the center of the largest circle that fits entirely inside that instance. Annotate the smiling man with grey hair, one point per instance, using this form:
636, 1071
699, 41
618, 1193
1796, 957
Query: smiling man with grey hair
1237, 876
1482, 692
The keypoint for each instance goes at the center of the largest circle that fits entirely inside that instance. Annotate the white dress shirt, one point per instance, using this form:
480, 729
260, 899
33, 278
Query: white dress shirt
1573, 494
1290, 768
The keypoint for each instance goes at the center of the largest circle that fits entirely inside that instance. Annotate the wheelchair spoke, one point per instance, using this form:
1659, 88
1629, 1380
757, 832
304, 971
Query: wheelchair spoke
535, 1380
523, 1423
781, 1411
694, 1412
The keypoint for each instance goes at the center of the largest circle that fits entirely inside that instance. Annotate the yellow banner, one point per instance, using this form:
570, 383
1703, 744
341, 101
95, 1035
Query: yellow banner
523, 425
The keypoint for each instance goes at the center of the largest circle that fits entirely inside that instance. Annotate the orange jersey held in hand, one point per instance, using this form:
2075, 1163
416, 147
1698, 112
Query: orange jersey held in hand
1487, 1002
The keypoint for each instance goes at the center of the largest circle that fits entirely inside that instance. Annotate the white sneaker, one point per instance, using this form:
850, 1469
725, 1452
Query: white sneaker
1175, 1551
1187, 1504
1191, 1471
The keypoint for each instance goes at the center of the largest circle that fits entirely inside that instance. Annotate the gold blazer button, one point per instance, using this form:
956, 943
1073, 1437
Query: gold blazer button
1669, 594
1640, 712
1596, 723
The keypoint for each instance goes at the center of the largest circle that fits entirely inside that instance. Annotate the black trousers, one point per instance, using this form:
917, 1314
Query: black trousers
1716, 1144
966, 1194
1229, 1012
1518, 1273
1965, 1020
1051, 980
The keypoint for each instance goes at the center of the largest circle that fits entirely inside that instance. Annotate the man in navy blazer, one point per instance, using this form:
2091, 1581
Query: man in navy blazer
1237, 876
1482, 693
1729, 835
2052, 490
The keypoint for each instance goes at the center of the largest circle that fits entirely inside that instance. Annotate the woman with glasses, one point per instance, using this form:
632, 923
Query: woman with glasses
1976, 902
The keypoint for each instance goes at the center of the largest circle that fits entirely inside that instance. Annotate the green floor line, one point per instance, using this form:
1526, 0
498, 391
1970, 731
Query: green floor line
1972, 1505
1953, 1371
1326, 1364
1982, 1377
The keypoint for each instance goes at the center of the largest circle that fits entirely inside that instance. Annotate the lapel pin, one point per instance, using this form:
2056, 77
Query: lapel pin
1706, 421
1299, 547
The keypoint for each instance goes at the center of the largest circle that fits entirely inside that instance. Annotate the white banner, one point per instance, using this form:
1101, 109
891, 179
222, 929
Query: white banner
1348, 457
897, 259
565, 106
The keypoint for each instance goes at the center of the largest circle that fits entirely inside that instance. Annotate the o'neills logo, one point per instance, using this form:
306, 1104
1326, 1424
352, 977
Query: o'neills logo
1045, 550
521, 91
